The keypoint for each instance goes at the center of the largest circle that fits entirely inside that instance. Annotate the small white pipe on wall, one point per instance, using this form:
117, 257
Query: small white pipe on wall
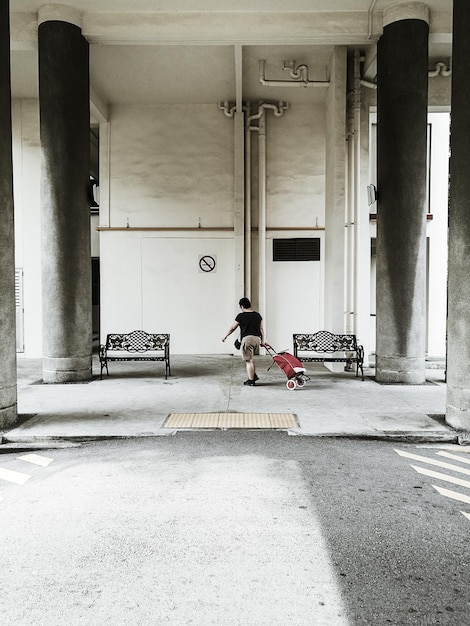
300, 78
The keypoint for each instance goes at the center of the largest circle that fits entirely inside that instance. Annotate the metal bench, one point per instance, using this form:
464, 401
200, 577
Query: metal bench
330, 348
135, 346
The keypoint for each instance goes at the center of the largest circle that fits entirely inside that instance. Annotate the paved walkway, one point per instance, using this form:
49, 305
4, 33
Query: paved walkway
135, 400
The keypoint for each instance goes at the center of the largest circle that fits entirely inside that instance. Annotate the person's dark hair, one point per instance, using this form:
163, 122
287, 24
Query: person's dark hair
245, 303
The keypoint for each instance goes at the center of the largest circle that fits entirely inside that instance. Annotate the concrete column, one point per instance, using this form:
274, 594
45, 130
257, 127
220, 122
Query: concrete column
65, 152
335, 194
8, 406
402, 93
458, 337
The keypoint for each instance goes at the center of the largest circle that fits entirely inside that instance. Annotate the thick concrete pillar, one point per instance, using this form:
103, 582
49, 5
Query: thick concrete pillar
458, 326
8, 406
335, 193
402, 94
65, 152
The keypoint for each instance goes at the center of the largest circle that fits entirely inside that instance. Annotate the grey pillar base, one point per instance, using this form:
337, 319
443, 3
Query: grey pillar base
400, 370
66, 370
8, 412
458, 407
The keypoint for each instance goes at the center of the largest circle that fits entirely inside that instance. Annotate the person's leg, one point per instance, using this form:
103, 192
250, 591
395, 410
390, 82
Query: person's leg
250, 369
249, 345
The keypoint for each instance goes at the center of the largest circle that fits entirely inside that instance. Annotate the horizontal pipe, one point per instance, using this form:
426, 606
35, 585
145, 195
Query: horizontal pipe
167, 228
288, 83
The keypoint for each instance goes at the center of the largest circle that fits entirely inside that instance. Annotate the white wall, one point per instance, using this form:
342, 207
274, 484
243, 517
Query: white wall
437, 233
295, 299
171, 166
155, 283
26, 188
171, 169
295, 200
197, 306
296, 167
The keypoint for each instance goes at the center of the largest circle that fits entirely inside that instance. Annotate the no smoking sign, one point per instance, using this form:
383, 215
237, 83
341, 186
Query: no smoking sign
207, 263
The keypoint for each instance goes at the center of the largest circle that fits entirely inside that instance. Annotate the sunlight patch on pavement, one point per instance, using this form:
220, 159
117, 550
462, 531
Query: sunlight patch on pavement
247, 524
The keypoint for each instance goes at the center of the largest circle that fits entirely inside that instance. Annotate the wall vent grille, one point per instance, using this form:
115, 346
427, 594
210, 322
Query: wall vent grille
296, 249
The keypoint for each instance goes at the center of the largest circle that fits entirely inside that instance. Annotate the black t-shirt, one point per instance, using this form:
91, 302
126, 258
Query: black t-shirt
249, 323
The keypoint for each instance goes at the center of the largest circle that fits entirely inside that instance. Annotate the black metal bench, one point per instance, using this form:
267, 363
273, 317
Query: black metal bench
327, 348
136, 346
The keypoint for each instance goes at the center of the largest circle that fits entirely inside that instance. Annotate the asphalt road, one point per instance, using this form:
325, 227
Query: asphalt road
235, 528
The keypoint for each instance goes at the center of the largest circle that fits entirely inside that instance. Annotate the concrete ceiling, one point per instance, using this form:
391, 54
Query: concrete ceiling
241, 6
202, 51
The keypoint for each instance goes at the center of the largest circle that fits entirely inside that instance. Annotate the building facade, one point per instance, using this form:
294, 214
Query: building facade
298, 156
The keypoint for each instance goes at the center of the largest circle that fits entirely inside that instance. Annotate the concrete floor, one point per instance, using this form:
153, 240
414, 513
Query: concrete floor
135, 400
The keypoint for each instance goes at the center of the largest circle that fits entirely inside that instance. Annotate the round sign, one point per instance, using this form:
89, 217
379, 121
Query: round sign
207, 263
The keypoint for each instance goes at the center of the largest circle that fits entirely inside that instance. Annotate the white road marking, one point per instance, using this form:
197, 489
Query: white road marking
444, 477
455, 457
14, 477
37, 459
447, 493
454, 495
447, 446
423, 459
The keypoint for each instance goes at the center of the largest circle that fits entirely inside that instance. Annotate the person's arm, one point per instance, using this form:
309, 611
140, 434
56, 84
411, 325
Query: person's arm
233, 327
261, 328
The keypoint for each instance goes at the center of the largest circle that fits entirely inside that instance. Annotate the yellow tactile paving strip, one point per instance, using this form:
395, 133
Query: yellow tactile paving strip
231, 420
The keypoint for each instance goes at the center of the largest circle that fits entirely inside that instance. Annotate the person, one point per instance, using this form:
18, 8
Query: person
252, 337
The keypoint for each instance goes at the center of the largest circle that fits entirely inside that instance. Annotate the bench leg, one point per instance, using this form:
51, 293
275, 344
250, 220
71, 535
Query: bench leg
104, 365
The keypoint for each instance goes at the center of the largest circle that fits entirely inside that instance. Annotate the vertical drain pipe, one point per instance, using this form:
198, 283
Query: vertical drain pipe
248, 202
357, 186
262, 213
278, 111
349, 321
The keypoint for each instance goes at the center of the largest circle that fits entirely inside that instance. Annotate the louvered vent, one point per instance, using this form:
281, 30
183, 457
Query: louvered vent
297, 249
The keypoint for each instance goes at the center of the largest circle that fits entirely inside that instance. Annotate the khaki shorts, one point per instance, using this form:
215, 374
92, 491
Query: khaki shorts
250, 344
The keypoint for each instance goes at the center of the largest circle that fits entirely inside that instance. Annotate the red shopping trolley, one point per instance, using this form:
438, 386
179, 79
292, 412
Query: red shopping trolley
290, 365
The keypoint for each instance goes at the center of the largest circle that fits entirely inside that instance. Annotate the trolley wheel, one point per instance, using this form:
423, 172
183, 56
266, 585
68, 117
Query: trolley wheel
291, 384
300, 382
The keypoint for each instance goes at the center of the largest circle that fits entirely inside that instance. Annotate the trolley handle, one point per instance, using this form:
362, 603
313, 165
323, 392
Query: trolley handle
271, 351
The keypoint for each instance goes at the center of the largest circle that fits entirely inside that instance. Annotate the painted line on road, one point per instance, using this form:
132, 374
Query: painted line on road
447, 493
424, 459
444, 477
37, 459
14, 477
455, 457
454, 495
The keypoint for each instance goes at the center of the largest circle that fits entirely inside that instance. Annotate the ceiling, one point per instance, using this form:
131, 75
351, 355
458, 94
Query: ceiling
242, 6
203, 51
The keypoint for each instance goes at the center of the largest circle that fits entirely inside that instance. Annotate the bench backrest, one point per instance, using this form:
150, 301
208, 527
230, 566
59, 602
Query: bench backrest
324, 341
138, 341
